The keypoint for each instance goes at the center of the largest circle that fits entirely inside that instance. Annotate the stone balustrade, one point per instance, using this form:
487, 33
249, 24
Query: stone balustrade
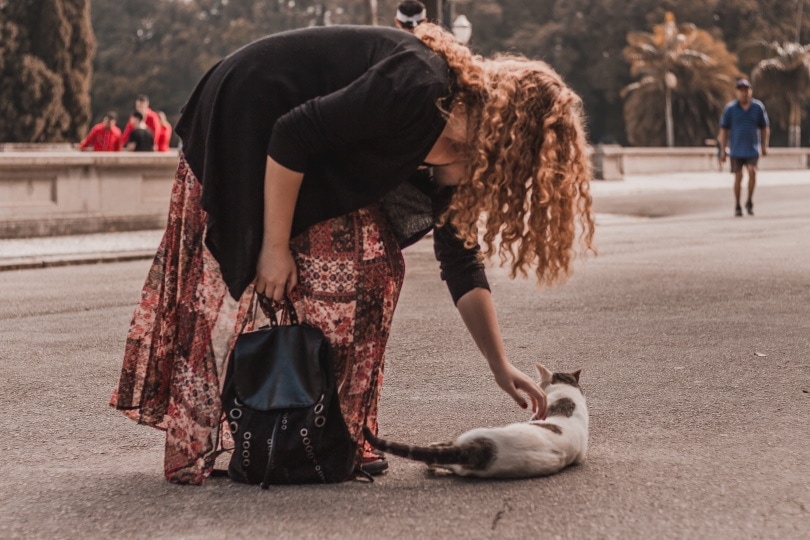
613, 162
53, 191
68, 192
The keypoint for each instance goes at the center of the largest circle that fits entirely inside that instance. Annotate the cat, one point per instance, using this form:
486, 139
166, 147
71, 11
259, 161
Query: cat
521, 450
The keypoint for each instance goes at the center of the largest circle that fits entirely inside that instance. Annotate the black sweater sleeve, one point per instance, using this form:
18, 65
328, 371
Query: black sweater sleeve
461, 267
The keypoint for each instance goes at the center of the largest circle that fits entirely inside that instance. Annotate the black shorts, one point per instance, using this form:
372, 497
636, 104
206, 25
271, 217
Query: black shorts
737, 163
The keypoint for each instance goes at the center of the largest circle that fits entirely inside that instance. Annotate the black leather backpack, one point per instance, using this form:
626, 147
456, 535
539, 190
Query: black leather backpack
281, 402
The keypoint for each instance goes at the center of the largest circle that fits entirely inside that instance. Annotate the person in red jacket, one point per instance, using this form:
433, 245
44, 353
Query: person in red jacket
104, 136
162, 142
150, 117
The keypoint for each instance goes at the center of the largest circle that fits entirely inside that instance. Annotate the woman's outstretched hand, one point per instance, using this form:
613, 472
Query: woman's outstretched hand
478, 312
276, 273
513, 382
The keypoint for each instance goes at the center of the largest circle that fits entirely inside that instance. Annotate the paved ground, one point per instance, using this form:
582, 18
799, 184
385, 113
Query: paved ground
692, 327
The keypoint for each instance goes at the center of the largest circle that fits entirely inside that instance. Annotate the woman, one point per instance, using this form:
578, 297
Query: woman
304, 171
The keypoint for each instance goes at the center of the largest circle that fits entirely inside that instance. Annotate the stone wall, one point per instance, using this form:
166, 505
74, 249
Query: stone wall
612, 162
46, 191
69, 192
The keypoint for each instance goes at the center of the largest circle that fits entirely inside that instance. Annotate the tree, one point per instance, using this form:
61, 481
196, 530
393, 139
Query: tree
583, 39
163, 47
46, 50
784, 75
681, 70
564, 34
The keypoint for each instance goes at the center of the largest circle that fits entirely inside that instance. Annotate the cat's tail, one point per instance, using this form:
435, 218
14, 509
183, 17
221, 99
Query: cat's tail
475, 455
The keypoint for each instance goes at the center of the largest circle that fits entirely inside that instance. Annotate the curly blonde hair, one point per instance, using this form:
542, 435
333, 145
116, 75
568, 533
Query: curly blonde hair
528, 170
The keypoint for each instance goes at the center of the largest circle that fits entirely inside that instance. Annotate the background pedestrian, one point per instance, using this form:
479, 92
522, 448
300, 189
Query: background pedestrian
744, 134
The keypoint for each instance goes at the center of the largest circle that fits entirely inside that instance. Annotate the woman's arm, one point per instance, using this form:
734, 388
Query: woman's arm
478, 313
467, 282
276, 273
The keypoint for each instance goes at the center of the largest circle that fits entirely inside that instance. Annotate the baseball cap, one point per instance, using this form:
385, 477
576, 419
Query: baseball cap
743, 83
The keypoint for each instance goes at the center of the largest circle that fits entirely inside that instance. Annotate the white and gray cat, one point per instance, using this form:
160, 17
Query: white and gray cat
520, 450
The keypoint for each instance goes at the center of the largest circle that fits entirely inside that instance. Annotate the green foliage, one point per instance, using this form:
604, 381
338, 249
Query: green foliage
584, 39
702, 74
46, 49
162, 47
782, 77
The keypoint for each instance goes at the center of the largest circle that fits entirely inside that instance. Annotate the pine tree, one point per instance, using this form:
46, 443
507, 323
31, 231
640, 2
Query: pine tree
46, 49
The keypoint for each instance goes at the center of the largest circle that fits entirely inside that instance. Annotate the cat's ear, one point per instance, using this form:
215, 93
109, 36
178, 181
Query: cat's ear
545, 374
576, 374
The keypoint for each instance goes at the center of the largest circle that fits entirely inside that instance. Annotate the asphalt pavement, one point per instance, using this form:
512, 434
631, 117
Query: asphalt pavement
692, 328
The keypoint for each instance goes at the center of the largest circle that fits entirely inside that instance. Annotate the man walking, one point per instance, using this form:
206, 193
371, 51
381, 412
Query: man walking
744, 135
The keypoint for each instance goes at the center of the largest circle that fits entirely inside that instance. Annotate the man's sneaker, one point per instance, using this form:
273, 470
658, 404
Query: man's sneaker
749, 207
738, 211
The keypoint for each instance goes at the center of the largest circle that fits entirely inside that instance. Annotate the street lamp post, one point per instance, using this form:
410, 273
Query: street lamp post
444, 13
462, 29
371, 12
670, 82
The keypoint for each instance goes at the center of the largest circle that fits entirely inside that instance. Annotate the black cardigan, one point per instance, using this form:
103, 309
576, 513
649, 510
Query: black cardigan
353, 108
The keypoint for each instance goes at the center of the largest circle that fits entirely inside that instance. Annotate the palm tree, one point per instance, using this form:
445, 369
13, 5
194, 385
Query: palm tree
783, 72
688, 70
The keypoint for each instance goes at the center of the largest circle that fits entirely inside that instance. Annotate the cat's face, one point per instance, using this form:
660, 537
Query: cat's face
548, 378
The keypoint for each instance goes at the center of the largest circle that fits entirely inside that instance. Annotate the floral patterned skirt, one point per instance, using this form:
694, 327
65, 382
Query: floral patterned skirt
350, 272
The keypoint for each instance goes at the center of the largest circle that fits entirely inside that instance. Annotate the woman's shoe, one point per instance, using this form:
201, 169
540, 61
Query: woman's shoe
374, 463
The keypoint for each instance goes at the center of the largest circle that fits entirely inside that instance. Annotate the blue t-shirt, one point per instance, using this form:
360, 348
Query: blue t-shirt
744, 126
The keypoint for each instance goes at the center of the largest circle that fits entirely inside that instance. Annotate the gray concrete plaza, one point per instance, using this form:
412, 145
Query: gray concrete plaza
692, 328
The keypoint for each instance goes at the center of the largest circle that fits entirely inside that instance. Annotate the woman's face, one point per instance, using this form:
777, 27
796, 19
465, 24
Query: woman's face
456, 127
